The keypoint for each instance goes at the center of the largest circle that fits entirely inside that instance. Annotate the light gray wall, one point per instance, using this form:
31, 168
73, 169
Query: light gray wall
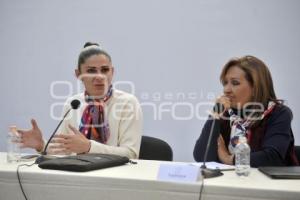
165, 48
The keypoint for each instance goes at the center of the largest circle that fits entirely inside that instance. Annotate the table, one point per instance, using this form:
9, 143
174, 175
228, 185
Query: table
130, 182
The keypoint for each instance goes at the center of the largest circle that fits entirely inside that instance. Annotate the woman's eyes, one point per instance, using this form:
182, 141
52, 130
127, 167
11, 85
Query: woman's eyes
105, 70
94, 70
91, 71
232, 82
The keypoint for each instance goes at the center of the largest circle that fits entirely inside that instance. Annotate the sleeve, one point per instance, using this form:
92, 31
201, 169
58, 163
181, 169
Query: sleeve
277, 140
130, 131
201, 144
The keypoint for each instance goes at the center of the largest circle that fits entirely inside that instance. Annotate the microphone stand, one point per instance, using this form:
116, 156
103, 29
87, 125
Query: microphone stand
74, 105
206, 172
44, 155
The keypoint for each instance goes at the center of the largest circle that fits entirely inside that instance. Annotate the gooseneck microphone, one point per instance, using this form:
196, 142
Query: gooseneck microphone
74, 105
215, 129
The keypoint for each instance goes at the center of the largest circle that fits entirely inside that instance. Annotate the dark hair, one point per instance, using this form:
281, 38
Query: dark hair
258, 75
90, 49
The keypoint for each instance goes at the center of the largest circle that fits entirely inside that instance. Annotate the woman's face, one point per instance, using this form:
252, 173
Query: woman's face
236, 87
96, 74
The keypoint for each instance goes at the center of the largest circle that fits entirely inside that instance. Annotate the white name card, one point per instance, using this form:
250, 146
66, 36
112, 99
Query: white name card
179, 172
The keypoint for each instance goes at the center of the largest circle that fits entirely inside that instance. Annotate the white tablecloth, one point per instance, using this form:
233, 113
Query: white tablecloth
130, 182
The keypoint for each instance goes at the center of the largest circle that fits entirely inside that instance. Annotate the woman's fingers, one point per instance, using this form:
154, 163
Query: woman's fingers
58, 140
75, 131
224, 100
34, 124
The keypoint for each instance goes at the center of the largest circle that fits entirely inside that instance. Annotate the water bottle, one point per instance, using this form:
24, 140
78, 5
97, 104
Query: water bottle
242, 157
13, 148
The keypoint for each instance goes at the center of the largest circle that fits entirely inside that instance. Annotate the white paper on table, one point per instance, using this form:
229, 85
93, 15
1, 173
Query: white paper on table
216, 165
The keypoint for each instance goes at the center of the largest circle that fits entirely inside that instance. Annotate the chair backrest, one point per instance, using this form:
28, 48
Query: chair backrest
155, 149
297, 150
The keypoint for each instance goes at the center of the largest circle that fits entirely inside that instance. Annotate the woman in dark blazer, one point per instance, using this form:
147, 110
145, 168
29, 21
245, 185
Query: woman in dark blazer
252, 110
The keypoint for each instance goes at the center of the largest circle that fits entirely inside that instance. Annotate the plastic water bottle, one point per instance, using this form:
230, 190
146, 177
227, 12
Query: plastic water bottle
242, 157
13, 148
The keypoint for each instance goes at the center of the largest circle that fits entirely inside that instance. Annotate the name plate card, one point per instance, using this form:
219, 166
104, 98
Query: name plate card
179, 172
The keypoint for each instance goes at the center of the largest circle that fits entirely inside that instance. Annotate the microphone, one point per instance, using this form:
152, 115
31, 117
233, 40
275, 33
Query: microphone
215, 129
74, 105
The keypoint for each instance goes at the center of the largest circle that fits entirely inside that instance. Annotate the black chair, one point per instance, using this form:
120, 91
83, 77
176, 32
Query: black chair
155, 149
297, 150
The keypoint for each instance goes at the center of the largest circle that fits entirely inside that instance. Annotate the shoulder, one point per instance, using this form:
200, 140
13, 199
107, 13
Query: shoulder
79, 96
120, 95
281, 112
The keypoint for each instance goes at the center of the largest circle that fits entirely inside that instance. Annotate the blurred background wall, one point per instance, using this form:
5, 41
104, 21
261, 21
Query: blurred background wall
168, 53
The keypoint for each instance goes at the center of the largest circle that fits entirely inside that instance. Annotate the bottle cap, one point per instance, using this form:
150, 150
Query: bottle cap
13, 129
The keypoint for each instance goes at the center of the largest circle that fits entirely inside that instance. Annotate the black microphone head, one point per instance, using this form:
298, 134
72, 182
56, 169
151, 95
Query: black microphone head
218, 108
75, 104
